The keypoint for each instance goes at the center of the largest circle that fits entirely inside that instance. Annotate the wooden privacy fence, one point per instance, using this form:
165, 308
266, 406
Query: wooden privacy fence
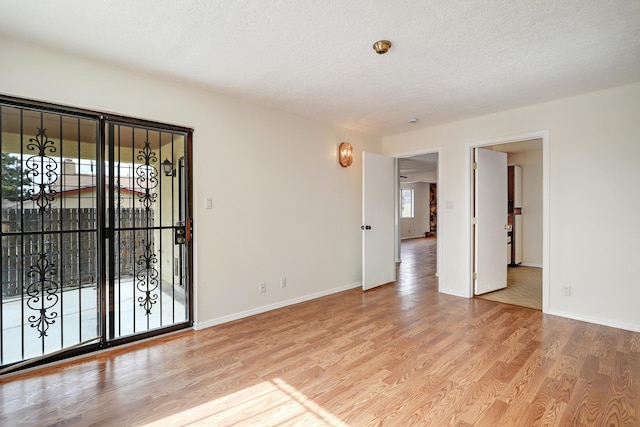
69, 239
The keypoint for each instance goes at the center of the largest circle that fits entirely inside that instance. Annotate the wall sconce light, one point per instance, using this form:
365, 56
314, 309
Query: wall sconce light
345, 154
167, 168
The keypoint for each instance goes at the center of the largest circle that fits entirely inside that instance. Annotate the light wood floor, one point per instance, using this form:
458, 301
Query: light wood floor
398, 355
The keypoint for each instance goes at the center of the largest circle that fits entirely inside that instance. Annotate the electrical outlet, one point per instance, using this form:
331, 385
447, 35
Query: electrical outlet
262, 287
566, 291
283, 282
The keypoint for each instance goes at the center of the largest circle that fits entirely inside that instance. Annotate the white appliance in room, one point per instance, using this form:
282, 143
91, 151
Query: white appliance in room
514, 202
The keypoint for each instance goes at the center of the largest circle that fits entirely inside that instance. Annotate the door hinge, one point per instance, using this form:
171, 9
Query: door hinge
474, 221
475, 276
475, 165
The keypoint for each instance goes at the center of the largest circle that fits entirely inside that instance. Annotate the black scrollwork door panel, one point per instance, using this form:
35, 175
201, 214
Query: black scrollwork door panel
49, 242
148, 290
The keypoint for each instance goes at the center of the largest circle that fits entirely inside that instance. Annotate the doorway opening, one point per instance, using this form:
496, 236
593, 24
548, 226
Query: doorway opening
524, 217
417, 271
417, 213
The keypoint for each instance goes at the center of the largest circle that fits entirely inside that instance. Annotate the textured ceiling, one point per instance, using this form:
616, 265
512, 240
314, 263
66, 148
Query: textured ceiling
450, 59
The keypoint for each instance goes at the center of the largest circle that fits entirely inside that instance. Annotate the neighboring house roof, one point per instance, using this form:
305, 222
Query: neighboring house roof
69, 184
72, 183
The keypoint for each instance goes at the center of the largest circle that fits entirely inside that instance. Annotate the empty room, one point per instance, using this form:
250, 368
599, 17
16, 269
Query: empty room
292, 213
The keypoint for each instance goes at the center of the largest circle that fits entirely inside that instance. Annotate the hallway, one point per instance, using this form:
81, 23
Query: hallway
418, 266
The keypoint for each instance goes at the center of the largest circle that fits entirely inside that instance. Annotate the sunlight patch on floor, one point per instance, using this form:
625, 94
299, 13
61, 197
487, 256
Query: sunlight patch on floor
269, 403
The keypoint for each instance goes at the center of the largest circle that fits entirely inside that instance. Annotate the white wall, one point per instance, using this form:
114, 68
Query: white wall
282, 205
531, 163
419, 224
594, 179
292, 210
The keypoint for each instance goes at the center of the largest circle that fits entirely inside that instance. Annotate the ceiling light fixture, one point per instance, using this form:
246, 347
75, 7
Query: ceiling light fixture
382, 46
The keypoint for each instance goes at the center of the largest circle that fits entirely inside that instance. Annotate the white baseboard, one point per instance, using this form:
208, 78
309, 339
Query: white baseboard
456, 293
597, 321
417, 236
527, 264
224, 319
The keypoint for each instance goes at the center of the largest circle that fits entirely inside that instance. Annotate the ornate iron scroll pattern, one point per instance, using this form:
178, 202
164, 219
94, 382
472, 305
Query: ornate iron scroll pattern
147, 180
147, 278
43, 290
42, 170
43, 294
147, 176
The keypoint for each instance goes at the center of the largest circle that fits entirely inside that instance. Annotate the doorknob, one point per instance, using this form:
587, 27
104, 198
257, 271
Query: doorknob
365, 227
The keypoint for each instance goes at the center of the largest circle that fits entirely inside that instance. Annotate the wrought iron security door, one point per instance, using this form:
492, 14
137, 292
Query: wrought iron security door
94, 233
147, 288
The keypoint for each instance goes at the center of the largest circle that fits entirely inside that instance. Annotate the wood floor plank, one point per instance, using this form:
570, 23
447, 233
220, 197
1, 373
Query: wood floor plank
399, 355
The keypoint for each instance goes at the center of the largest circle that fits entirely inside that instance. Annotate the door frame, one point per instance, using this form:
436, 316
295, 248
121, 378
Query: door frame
437, 150
102, 342
107, 230
469, 189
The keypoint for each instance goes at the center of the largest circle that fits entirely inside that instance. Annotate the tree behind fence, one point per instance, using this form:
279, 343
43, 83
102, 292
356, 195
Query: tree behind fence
70, 241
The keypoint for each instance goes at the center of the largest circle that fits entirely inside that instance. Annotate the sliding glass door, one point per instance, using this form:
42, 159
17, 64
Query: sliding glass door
147, 286
95, 233
49, 232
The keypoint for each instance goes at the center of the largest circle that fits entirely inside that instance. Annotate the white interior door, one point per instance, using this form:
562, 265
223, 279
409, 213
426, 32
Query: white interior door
491, 220
378, 210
